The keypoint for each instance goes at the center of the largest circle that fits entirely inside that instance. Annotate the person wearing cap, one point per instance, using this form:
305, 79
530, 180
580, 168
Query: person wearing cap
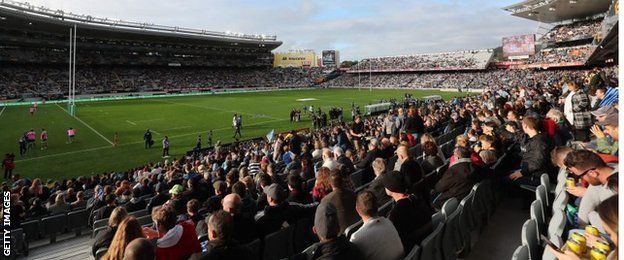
377, 239
610, 125
342, 198
279, 213
603, 112
410, 214
160, 198
176, 199
333, 244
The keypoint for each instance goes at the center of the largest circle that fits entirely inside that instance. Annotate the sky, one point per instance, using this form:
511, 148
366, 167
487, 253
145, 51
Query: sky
357, 28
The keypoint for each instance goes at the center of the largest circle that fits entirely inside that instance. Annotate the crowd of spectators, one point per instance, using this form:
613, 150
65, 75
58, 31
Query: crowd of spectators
41, 81
562, 54
237, 193
572, 32
476, 59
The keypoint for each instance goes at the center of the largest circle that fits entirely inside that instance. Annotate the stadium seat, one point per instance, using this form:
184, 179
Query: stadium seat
385, 208
356, 178
560, 201
432, 245
437, 218
309, 251
138, 213
521, 253
145, 220
354, 227
449, 207
77, 220
19, 245
361, 188
450, 240
303, 235
540, 194
54, 225
465, 223
414, 254
530, 238
545, 181
255, 248
100, 253
98, 224
97, 230
279, 244
538, 215
31, 229
479, 207
557, 224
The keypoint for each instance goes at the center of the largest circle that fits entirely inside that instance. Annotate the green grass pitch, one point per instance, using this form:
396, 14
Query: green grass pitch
180, 118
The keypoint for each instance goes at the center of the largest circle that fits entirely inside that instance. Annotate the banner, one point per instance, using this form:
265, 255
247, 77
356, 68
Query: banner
295, 60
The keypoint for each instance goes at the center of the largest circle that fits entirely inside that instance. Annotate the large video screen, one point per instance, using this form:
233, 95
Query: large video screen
519, 45
329, 58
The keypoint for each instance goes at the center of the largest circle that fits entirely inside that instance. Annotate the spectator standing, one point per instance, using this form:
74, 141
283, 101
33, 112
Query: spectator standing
577, 110
343, 199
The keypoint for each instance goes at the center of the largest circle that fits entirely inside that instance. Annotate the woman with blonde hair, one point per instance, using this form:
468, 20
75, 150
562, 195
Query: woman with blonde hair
36, 189
128, 230
104, 237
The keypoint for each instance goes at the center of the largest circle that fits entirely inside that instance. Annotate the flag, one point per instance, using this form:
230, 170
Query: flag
270, 135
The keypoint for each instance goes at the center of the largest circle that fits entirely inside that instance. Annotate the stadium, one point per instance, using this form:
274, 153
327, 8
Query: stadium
136, 140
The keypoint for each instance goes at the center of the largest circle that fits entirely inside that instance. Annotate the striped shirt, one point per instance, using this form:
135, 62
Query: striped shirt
254, 168
611, 97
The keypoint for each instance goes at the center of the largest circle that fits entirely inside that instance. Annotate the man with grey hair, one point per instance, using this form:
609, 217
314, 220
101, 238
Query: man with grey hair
328, 159
375, 186
333, 245
346, 163
365, 164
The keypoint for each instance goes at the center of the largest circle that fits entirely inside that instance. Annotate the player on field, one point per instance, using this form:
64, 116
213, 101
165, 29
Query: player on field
22, 145
116, 139
44, 139
147, 137
237, 123
31, 110
209, 138
31, 137
198, 143
165, 144
71, 135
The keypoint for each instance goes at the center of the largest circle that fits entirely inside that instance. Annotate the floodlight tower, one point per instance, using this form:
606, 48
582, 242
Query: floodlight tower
71, 94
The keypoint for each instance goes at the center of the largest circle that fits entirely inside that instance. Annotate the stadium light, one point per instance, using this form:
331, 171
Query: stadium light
552, 8
573, 2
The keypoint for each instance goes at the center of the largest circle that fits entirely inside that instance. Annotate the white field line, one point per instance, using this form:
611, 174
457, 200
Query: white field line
147, 120
87, 125
1, 112
220, 109
130, 122
176, 128
137, 142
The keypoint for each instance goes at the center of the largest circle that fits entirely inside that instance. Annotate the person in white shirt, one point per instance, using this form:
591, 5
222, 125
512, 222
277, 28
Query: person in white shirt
328, 159
377, 239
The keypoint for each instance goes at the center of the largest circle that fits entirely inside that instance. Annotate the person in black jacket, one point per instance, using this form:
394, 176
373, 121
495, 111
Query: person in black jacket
278, 211
135, 203
105, 212
372, 154
414, 124
347, 164
410, 215
222, 245
535, 155
409, 168
104, 237
160, 198
457, 180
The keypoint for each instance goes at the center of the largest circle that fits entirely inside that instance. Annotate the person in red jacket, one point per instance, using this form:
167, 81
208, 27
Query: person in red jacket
174, 240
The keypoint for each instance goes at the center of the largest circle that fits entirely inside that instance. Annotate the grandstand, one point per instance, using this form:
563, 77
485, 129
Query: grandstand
468, 174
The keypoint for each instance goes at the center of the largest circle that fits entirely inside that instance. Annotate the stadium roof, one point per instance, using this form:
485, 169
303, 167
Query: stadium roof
16, 15
552, 11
